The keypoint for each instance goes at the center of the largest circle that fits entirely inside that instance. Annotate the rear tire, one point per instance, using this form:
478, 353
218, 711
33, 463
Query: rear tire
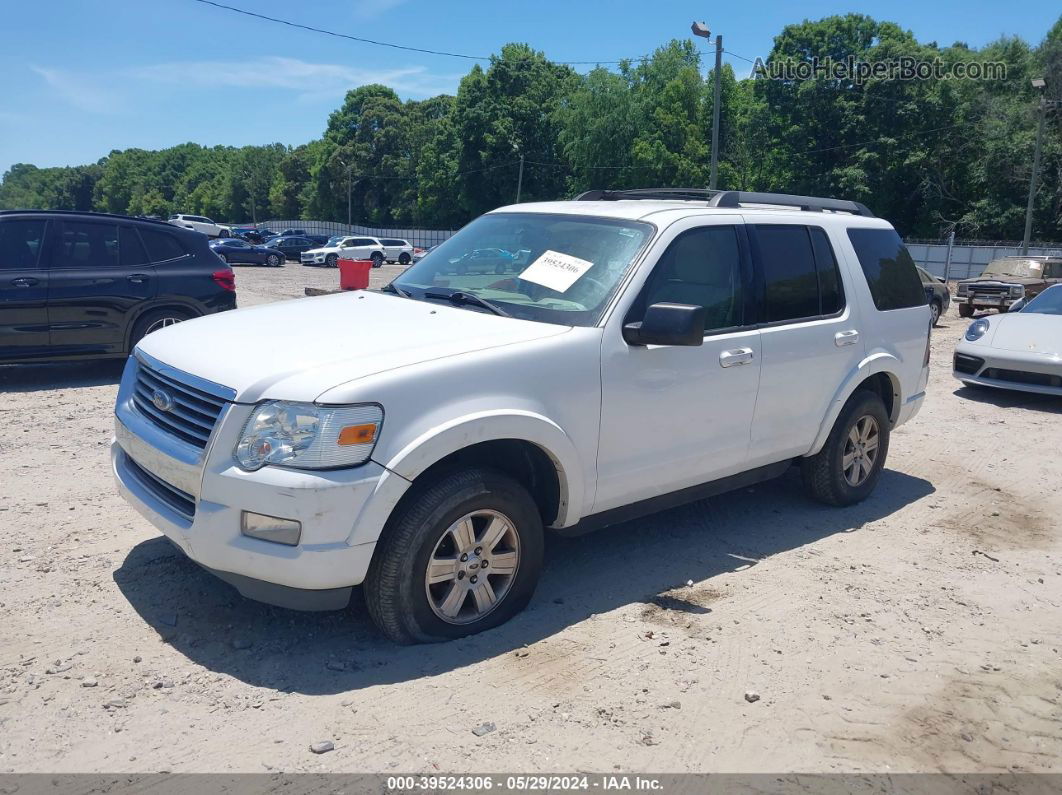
421, 536
153, 321
377, 259
935, 313
273, 261
403, 258
223, 258
965, 310
847, 468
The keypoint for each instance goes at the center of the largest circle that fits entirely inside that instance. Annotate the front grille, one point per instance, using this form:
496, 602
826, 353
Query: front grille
989, 289
968, 364
181, 502
193, 414
1023, 377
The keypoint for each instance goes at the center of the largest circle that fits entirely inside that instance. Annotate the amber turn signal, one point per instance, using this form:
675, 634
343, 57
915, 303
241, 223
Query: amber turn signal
357, 434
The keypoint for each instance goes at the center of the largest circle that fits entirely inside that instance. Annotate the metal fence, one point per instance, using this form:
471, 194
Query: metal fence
424, 238
968, 261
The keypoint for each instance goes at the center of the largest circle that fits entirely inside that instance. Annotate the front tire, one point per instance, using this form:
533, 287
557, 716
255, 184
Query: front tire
965, 310
331, 260
377, 259
847, 468
462, 555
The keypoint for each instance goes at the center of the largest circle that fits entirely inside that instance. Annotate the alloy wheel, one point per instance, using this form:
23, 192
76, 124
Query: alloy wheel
162, 322
860, 450
472, 567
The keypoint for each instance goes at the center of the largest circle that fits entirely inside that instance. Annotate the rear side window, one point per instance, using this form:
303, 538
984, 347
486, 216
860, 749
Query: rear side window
162, 246
20, 244
791, 281
394, 242
890, 271
831, 289
130, 250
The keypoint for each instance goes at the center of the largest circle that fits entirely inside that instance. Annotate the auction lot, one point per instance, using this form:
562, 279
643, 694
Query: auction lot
917, 631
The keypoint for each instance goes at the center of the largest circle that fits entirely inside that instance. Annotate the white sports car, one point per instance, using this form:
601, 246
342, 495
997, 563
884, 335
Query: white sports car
1017, 350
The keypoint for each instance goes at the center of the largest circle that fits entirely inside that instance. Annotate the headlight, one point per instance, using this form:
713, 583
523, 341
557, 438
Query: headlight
308, 436
1016, 291
962, 289
977, 330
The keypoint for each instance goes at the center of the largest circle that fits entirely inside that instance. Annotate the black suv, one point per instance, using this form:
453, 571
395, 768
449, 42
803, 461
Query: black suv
77, 285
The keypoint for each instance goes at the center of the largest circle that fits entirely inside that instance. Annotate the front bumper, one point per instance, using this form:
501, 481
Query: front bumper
1018, 370
1002, 302
312, 259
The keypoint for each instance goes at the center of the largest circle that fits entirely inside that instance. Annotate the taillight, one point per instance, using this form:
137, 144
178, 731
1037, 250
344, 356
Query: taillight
226, 280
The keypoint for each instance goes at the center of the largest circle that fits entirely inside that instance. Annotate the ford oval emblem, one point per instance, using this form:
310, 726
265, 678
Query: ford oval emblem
162, 399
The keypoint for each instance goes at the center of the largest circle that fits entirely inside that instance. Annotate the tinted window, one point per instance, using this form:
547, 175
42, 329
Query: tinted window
394, 242
131, 250
20, 244
831, 289
88, 245
890, 271
1053, 270
791, 280
161, 245
701, 267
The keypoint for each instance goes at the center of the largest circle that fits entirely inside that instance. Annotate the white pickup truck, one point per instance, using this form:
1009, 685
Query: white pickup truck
647, 348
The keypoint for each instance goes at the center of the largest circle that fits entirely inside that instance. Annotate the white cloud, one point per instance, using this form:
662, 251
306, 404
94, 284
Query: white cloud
309, 80
85, 93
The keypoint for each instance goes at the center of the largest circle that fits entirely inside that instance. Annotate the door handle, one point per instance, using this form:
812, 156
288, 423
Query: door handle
735, 357
25, 281
842, 338
137, 278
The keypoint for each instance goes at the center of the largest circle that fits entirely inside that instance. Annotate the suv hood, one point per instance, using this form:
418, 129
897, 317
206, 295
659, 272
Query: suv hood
299, 349
1001, 279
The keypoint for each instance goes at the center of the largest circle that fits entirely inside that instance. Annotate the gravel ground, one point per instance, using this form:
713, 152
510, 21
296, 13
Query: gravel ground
918, 631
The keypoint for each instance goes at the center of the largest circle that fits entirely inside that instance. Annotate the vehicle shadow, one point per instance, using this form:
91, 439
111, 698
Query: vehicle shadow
59, 375
646, 562
1011, 399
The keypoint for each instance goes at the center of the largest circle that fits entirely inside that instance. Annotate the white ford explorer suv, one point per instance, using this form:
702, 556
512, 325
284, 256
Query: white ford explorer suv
346, 247
647, 348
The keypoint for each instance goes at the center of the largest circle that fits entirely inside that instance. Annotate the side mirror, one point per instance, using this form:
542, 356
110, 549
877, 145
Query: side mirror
667, 324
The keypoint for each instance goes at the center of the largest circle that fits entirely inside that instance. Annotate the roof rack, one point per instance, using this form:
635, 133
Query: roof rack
731, 198
89, 212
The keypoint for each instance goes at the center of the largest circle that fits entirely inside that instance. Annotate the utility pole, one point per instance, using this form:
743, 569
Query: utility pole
1037, 83
701, 29
520, 180
348, 197
718, 86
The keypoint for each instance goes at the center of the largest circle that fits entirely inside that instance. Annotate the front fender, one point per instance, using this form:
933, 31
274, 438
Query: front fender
879, 362
442, 440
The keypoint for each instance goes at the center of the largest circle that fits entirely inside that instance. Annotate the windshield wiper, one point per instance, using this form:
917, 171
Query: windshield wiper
459, 297
394, 288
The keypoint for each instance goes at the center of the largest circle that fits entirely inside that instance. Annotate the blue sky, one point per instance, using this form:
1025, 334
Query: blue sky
83, 77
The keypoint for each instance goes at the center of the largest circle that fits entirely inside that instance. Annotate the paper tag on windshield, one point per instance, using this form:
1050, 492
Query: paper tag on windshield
555, 270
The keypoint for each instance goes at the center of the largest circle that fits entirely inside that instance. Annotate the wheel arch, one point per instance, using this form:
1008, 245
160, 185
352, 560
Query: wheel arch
876, 373
187, 308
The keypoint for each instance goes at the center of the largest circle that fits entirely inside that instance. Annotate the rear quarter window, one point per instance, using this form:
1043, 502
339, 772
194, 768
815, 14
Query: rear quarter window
890, 272
162, 246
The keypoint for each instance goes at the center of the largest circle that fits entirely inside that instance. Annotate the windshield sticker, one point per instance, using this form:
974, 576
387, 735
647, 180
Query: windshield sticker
555, 270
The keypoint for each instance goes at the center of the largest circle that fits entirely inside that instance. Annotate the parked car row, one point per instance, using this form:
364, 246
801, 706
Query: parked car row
378, 250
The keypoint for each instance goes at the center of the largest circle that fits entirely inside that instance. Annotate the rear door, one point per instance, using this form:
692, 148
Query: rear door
23, 289
98, 274
810, 335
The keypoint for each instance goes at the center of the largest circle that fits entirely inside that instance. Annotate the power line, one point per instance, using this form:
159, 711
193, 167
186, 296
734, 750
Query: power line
362, 40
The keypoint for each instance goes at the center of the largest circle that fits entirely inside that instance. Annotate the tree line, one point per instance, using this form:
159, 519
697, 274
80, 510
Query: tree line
930, 155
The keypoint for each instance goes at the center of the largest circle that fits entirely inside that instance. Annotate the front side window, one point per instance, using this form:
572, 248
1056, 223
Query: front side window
551, 268
891, 273
701, 267
20, 244
88, 245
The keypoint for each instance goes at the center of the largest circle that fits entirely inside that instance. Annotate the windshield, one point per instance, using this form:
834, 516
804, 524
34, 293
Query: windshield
1049, 302
551, 268
1027, 268
333, 241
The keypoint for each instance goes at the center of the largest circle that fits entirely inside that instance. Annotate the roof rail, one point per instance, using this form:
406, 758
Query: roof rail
90, 212
731, 198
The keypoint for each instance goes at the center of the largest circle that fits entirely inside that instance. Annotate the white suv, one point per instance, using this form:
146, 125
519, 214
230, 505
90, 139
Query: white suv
345, 247
201, 224
397, 250
647, 348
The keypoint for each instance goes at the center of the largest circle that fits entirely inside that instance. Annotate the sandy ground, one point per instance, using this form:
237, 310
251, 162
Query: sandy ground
918, 631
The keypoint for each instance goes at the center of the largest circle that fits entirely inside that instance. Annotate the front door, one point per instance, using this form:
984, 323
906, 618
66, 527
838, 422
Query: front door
674, 417
23, 289
99, 273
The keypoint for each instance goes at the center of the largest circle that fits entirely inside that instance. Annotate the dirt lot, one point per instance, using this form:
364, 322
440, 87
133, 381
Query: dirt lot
919, 631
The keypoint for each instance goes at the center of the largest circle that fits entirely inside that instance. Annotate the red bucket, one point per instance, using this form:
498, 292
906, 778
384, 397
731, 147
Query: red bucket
354, 274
